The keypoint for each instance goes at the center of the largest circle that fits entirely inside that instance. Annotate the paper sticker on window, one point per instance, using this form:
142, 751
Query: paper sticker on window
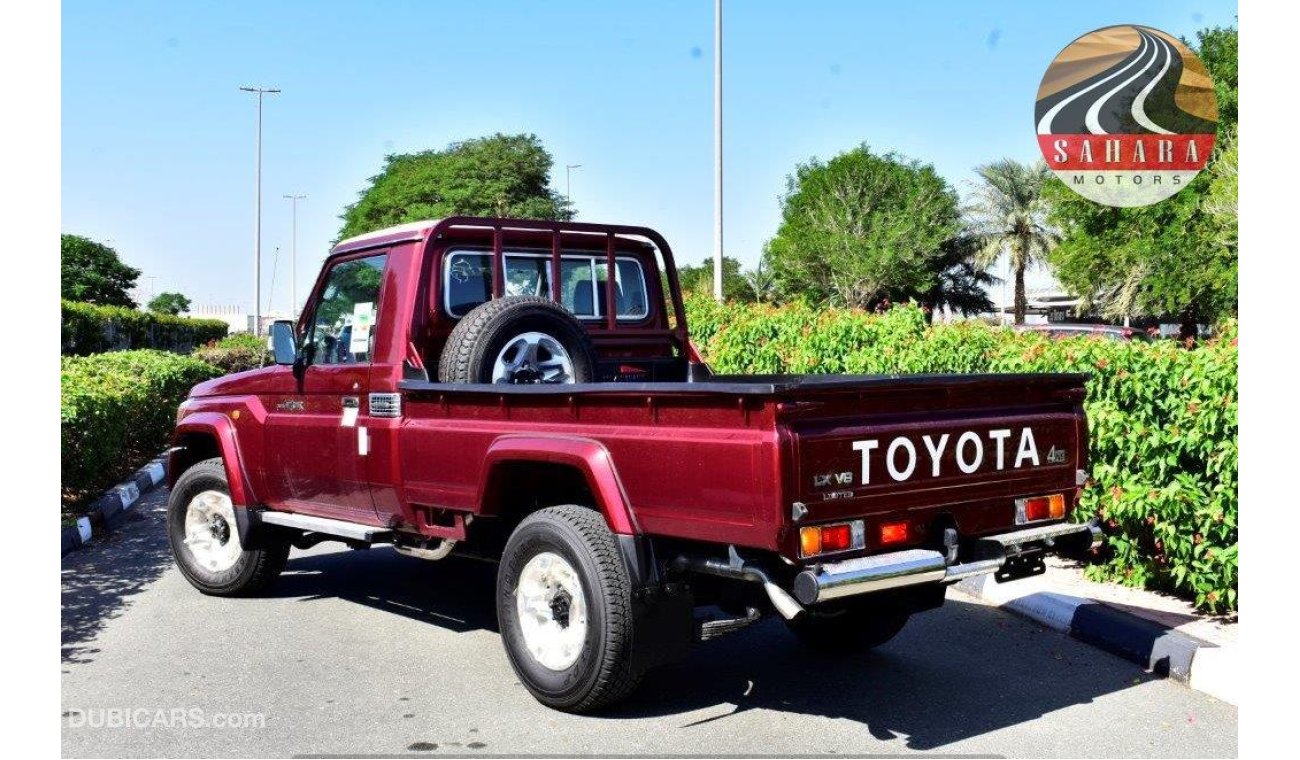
360, 342
363, 315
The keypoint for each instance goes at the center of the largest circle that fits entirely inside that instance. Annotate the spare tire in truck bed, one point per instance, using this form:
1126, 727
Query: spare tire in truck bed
518, 339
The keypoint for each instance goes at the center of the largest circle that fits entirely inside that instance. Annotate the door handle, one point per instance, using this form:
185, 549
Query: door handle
351, 408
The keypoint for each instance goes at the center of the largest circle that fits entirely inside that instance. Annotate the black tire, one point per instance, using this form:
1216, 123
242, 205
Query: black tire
603, 672
474, 344
253, 569
848, 629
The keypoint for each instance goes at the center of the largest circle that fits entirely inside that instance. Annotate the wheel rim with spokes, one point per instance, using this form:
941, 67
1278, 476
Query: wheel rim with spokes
210, 533
533, 357
552, 611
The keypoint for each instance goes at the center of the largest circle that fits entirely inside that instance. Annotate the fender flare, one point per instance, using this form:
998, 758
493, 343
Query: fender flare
221, 430
590, 457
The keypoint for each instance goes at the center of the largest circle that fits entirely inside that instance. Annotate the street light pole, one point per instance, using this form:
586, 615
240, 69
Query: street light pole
293, 255
717, 150
257, 225
568, 197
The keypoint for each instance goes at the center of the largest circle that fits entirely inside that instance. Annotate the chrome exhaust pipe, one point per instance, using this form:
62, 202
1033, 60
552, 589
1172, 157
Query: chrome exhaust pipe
738, 569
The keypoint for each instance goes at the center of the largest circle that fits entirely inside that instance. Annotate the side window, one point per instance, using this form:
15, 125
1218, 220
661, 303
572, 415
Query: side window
345, 314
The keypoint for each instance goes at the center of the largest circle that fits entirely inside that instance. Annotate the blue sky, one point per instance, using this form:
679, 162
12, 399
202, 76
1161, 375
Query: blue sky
158, 140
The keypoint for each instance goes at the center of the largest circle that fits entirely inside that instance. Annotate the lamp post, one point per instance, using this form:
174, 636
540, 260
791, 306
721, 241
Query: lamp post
568, 197
293, 254
257, 223
717, 150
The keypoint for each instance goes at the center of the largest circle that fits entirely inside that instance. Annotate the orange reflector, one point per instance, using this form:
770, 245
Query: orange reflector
893, 533
810, 541
1057, 505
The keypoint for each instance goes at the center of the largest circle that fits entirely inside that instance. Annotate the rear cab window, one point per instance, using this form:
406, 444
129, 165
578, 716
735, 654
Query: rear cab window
467, 282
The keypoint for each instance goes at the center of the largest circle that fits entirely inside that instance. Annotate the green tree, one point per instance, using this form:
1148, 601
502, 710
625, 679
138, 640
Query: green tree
1221, 196
169, 303
698, 278
93, 273
1009, 215
861, 228
962, 284
501, 175
1177, 257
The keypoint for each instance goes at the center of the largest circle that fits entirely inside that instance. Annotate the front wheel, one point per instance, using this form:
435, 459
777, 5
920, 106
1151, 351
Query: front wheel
564, 605
205, 539
848, 629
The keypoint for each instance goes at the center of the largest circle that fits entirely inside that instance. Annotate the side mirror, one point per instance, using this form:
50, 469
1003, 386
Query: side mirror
284, 348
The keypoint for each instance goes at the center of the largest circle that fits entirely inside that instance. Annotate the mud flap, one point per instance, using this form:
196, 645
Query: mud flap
663, 612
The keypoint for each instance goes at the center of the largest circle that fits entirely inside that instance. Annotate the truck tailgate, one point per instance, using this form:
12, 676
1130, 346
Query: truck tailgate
926, 443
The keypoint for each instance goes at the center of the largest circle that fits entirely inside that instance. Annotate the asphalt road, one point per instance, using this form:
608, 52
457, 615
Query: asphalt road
366, 653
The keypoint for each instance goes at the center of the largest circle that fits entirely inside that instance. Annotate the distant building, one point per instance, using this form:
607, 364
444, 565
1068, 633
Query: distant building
235, 316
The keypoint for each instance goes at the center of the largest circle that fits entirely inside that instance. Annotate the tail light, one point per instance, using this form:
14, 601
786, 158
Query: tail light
831, 538
893, 533
1038, 508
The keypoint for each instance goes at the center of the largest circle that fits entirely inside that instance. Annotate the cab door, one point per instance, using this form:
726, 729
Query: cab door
316, 438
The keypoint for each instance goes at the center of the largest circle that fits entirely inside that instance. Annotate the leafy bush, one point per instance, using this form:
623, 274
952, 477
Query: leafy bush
1163, 420
235, 353
117, 411
91, 329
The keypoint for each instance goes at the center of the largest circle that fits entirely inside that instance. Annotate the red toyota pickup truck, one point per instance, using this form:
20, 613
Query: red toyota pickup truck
526, 392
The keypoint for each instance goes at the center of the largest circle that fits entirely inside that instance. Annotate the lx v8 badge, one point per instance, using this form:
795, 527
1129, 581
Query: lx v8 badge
833, 479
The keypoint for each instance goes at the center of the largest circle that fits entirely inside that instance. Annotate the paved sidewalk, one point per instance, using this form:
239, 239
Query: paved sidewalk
1155, 629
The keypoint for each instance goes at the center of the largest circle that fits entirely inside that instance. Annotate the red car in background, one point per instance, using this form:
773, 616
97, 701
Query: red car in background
1083, 330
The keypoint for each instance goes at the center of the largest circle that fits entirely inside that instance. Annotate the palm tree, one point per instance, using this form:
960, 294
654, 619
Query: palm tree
1009, 215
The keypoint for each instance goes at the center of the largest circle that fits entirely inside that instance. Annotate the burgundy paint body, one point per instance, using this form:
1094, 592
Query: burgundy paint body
719, 461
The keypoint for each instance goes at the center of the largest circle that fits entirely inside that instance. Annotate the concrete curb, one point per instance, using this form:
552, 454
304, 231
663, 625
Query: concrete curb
108, 512
1158, 649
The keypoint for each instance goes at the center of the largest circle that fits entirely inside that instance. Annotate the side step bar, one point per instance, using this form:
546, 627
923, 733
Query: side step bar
863, 575
341, 528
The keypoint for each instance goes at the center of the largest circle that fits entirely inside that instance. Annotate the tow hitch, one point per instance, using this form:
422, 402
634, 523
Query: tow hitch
1021, 566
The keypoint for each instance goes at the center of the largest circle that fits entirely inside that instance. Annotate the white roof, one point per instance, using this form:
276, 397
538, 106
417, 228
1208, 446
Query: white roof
398, 229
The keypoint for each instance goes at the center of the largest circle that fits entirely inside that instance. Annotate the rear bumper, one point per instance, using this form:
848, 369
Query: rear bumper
909, 567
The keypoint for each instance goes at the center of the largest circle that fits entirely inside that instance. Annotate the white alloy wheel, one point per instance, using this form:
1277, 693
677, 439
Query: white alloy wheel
533, 357
552, 611
210, 532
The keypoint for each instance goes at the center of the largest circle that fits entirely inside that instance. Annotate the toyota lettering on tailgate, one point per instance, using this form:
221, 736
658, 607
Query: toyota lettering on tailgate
1000, 448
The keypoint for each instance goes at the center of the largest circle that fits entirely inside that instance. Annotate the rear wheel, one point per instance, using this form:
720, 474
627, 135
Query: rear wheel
205, 539
564, 604
848, 629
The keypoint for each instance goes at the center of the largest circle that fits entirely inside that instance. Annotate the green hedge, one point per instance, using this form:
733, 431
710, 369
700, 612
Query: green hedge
1163, 420
91, 329
235, 353
117, 412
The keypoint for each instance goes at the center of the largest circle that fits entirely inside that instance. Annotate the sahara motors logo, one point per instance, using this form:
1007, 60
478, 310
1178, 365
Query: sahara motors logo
1126, 115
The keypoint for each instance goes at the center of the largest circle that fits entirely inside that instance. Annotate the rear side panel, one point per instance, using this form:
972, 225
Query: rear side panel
694, 466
